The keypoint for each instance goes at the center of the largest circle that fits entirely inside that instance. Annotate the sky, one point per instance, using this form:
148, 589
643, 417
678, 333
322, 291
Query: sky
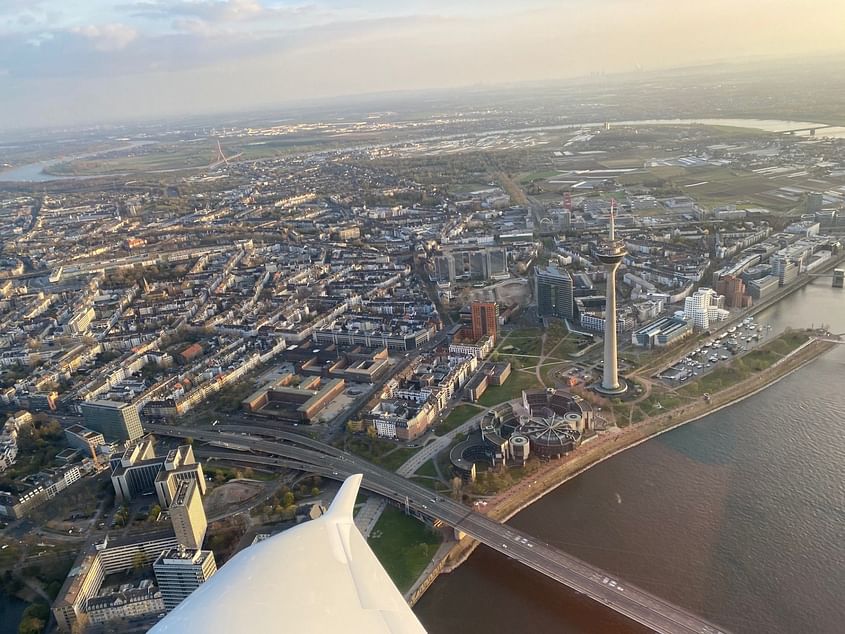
64, 62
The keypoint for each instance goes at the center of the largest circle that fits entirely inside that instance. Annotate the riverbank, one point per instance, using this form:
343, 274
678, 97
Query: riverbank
599, 449
515, 499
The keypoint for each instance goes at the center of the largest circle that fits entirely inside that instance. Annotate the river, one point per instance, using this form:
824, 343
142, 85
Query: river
11, 610
34, 172
739, 516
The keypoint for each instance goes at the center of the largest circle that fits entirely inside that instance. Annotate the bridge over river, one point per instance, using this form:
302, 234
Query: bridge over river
292, 450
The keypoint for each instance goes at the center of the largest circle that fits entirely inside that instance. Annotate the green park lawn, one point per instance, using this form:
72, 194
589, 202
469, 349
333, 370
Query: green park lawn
458, 416
403, 545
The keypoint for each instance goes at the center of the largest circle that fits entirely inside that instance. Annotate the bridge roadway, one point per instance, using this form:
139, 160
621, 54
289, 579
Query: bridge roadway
314, 456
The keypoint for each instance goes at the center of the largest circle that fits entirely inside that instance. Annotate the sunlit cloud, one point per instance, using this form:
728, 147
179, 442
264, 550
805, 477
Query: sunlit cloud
108, 37
198, 51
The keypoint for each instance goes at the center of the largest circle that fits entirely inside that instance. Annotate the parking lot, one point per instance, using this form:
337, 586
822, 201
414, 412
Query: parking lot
720, 348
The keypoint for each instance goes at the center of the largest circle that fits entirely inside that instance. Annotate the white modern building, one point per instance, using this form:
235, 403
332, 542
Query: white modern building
703, 307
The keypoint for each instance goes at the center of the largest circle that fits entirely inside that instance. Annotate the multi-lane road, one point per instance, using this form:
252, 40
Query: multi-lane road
296, 451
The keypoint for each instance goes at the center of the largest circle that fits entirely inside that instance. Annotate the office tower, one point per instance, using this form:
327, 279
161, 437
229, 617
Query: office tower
815, 201
485, 319
188, 515
179, 571
478, 265
785, 270
139, 471
553, 289
733, 288
611, 254
497, 262
113, 419
444, 268
179, 465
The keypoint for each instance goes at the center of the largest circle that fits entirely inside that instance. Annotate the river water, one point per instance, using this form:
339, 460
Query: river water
739, 516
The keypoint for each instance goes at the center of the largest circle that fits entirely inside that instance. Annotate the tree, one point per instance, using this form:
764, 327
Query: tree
288, 499
315, 491
139, 560
457, 485
34, 619
155, 511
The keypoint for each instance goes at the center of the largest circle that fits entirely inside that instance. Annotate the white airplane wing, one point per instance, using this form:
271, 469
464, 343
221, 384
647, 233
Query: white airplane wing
320, 576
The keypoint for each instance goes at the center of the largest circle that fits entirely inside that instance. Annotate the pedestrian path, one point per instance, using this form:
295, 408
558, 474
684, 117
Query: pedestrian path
366, 518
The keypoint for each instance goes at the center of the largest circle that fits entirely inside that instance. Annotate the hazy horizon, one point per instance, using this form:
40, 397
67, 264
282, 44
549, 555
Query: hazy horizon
83, 61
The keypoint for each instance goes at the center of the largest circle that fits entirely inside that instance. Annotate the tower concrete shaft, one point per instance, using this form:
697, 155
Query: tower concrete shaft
610, 380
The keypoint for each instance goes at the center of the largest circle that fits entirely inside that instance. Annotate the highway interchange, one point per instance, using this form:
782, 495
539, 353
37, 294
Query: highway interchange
295, 451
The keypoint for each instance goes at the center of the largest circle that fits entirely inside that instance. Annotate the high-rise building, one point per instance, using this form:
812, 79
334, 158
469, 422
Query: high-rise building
478, 265
611, 254
554, 293
784, 269
139, 471
733, 288
179, 571
113, 419
179, 465
188, 515
497, 262
444, 268
485, 319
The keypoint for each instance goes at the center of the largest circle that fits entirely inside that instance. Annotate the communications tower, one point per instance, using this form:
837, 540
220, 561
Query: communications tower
611, 253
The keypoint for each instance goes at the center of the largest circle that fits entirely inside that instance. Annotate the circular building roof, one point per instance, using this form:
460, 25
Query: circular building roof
552, 431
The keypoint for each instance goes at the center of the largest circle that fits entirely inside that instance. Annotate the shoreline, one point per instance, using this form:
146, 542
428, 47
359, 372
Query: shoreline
543, 491
559, 474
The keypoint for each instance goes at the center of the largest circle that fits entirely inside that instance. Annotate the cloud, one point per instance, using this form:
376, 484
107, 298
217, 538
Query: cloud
107, 37
153, 57
208, 10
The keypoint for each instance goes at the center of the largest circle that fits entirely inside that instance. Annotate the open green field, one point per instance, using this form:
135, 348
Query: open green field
530, 177
461, 414
379, 451
512, 388
521, 345
427, 469
403, 545
162, 157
